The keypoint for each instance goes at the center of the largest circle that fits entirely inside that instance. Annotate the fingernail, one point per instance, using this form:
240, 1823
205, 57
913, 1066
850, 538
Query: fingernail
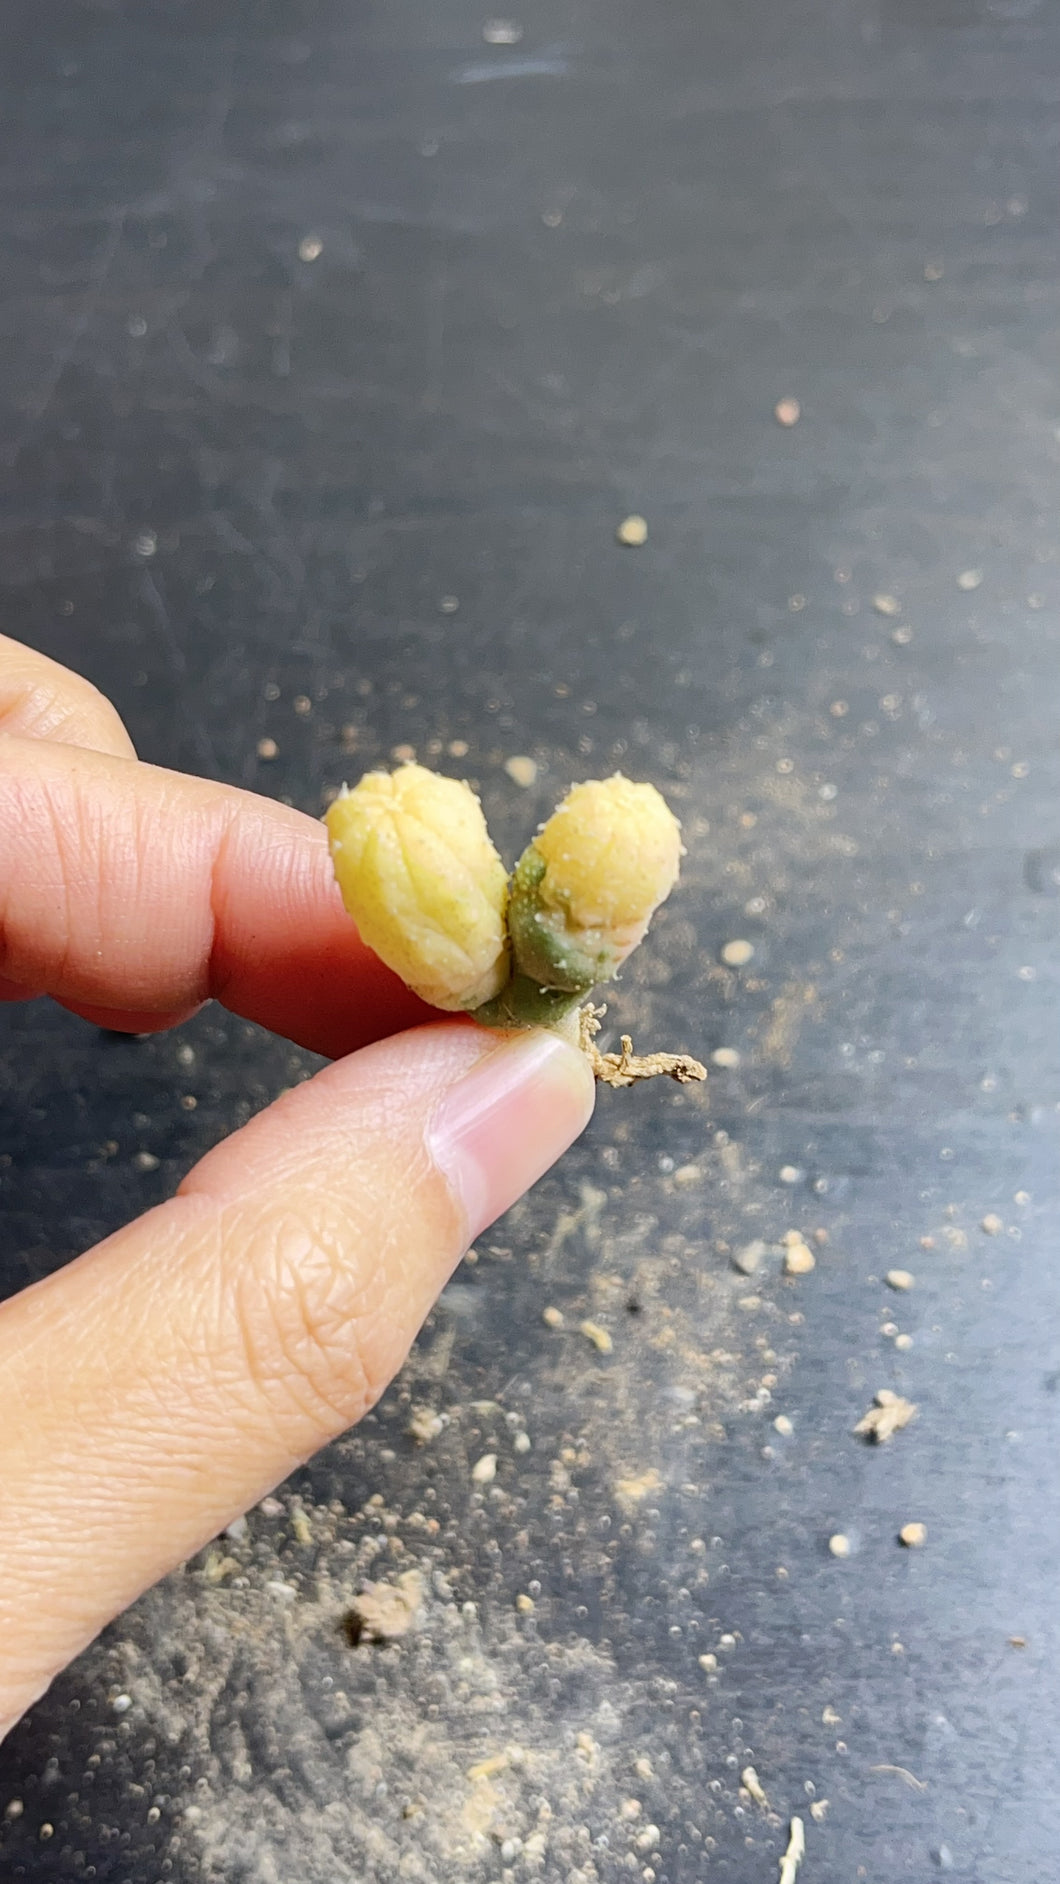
507, 1120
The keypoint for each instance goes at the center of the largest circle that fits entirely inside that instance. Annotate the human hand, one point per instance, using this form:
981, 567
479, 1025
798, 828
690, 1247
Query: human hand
160, 1384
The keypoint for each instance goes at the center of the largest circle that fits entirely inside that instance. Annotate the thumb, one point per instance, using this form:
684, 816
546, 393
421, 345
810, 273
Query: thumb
168, 1378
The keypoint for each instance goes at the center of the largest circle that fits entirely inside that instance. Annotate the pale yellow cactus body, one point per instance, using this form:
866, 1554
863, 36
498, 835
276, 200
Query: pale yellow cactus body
612, 854
424, 884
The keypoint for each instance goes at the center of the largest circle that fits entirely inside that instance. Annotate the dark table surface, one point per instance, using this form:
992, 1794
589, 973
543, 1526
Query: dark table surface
337, 340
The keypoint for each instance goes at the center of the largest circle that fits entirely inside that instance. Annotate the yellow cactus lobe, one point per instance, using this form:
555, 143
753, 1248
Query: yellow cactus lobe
612, 854
420, 877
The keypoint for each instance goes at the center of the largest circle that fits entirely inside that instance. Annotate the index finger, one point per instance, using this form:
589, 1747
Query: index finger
133, 894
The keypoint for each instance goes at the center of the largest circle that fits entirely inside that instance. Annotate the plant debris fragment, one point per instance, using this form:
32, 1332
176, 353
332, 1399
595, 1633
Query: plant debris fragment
886, 1416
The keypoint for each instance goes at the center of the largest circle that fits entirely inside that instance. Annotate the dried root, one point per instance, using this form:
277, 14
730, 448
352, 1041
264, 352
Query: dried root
627, 1067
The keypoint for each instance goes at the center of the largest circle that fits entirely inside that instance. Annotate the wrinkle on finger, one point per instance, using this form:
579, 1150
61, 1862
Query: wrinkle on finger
39, 699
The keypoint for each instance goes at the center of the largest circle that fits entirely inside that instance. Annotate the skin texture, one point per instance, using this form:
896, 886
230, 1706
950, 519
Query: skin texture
165, 1380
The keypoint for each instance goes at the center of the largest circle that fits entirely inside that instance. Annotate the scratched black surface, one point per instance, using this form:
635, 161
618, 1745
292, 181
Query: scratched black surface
549, 282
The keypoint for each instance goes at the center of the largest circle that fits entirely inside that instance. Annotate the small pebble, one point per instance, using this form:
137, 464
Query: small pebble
886, 605
521, 1443
524, 1604
787, 412
121, 1703
903, 1343
484, 1470
900, 1279
839, 1545
708, 1663
943, 1857
992, 1224
552, 1317
146, 1161
970, 579
799, 1259
267, 748
521, 770
310, 249
738, 953
783, 1426
633, 532
789, 1174
748, 1258
725, 1057
913, 1536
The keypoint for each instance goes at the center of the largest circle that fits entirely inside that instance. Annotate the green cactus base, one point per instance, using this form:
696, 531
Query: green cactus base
524, 1003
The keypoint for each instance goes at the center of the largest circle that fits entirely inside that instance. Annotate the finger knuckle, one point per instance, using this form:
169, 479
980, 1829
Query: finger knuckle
302, 1310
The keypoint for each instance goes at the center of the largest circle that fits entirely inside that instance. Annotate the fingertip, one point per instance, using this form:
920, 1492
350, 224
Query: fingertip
507, 1119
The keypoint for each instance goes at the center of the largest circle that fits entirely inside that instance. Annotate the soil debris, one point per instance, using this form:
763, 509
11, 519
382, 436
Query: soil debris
632, 1491
913, 1536
992, 1223
903, 1773
751, 1783
599, 1337
900, 1279
424, 1425
384, 1611
886, 604
787, 412
886, 1416
795, 1852
839, 1544
737, 953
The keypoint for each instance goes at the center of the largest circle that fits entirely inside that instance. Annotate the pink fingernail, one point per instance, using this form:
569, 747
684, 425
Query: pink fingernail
508, 1119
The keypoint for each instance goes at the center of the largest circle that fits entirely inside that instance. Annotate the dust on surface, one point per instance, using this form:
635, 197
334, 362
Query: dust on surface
494, 1711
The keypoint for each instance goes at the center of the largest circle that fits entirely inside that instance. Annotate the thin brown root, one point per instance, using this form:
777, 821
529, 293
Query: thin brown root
627, 1067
